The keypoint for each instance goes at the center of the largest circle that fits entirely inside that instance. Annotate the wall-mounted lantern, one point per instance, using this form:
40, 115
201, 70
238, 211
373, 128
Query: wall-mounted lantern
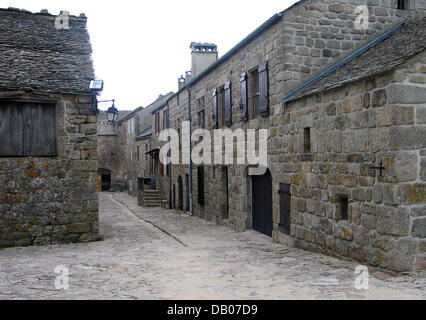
112, 113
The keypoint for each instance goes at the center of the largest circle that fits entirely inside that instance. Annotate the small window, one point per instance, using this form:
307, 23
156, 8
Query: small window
344, 207
201, 119
307, 140
214, 172
402, 5
138, 153
254, 93
201, 103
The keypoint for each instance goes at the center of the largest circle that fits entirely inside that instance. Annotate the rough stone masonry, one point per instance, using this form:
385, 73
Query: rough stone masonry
51, 198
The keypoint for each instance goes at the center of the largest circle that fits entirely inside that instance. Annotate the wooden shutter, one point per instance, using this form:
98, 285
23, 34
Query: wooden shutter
228, 104
244, 98
215, 110
11, 133
263, 90
285, 208
39, 123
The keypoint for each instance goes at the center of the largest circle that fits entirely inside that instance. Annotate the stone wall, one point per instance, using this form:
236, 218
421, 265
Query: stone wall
54, 200
308, 37
354, 128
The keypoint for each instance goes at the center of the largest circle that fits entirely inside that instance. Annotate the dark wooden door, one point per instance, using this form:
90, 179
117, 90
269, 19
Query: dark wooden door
262, 203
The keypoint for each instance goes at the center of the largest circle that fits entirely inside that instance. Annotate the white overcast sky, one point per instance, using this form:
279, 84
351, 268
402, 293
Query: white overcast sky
140, 48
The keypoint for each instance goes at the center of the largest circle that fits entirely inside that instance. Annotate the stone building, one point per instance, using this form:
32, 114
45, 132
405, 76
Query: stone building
344, 108
122, 147
109, 154
48, 157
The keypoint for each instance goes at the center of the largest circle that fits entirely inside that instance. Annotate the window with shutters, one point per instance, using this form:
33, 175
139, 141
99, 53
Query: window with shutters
27, 129
285, 208
200, 175
254, 93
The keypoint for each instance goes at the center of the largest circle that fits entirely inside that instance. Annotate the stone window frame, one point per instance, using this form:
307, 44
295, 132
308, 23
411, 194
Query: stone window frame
307, 148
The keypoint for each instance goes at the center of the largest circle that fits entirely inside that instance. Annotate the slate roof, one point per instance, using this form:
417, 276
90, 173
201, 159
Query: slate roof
401, 45
34, 55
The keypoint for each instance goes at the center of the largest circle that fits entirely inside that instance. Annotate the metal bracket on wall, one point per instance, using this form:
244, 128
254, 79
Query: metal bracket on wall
380, 167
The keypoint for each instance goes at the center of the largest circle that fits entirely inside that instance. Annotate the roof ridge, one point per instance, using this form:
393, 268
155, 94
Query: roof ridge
82, 16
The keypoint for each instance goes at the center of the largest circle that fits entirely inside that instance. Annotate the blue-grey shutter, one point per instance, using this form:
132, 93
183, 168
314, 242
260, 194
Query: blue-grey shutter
244, 98
263, 90
228, 104
215, 110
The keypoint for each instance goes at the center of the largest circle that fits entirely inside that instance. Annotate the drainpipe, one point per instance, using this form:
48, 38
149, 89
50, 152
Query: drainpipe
190, 151
170, 166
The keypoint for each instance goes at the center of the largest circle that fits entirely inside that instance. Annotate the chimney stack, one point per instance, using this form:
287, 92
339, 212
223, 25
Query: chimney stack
181, 82
203, 55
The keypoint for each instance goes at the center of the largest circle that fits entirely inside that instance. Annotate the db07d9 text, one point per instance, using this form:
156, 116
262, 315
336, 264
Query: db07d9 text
234, 310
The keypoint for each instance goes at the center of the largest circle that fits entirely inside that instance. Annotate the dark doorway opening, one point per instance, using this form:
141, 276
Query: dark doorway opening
262, 203
180, 187
105, 179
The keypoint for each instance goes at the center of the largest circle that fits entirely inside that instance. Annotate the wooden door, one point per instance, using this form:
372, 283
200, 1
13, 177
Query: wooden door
99, 182
262, 203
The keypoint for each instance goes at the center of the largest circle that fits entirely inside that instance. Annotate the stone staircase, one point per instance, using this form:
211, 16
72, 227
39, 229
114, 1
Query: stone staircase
152, 198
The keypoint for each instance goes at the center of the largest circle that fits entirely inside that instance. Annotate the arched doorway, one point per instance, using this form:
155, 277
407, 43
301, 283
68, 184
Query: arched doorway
262, 203
180, 195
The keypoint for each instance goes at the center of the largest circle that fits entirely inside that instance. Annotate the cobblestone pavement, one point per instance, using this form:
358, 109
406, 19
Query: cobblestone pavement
159, 254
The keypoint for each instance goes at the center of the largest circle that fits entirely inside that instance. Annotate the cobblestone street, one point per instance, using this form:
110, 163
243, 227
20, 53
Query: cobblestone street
156, 254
